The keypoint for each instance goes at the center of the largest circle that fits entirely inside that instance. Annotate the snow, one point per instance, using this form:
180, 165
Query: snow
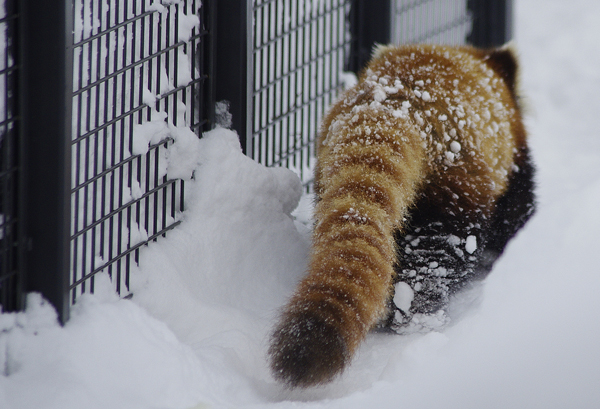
471, 244
403, 296
455, 146
195, 333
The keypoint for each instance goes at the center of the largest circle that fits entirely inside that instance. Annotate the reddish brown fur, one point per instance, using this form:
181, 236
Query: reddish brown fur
448, 127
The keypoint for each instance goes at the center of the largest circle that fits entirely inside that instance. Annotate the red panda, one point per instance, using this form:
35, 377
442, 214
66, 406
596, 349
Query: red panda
423, 175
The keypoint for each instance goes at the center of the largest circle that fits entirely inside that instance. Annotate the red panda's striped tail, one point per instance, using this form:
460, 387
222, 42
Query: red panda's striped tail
364, 190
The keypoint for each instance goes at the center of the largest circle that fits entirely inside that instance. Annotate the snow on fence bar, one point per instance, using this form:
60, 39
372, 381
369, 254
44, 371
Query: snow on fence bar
146, 76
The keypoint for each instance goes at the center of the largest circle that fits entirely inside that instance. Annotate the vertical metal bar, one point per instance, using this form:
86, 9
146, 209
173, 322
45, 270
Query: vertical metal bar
109, 136
206, 65
492, 22
46, 30
368, 28
259, 104
294, 92
233, 64
268, 84
11, 272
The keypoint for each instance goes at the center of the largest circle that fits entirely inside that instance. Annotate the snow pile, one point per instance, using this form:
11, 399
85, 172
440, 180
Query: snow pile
111, 354
223, 272
237, 210
194, 334
217, 281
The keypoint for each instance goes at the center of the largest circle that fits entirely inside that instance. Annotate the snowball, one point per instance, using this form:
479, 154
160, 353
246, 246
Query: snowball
137, 234
397, 113
148, 97
453, 240
348, 79
184, 73
223, 117
403, 296
455, 146
379, 94
156, 6
419, 119
165, 82
184, 154
186, 25
486, 114
471, 244
153, 131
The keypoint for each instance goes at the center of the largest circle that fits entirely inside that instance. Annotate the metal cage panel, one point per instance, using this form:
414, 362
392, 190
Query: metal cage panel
430, 21
299, 52
134, 64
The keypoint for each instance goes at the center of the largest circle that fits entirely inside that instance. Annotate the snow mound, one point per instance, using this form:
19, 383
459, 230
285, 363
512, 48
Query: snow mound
96, 360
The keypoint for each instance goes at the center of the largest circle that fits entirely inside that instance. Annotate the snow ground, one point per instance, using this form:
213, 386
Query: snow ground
194, 334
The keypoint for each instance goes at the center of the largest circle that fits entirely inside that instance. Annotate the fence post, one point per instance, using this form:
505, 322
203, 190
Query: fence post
233, 64
11, 277
492, 22
46, 35
206, 64
370, 24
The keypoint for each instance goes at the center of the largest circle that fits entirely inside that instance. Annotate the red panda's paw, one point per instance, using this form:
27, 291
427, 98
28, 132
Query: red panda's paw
306, 350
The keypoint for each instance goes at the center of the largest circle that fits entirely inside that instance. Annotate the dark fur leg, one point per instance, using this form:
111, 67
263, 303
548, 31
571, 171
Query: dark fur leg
514, 208
438, 256
435, 259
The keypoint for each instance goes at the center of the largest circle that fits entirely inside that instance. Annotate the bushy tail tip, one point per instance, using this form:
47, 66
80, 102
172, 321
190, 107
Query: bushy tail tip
307, 351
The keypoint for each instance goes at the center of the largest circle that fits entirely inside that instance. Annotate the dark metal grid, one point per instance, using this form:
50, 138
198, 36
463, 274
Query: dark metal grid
430, 21
299, 53
122, 200
10, 277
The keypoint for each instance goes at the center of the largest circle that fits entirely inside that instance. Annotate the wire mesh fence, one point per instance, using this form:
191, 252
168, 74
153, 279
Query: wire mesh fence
431, 21
299, 52
137, 75
142, 74
9, 263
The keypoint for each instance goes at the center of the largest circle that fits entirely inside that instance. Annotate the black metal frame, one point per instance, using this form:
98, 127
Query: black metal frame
45, 130
11, 277
492, 22
232, 64
368, 28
